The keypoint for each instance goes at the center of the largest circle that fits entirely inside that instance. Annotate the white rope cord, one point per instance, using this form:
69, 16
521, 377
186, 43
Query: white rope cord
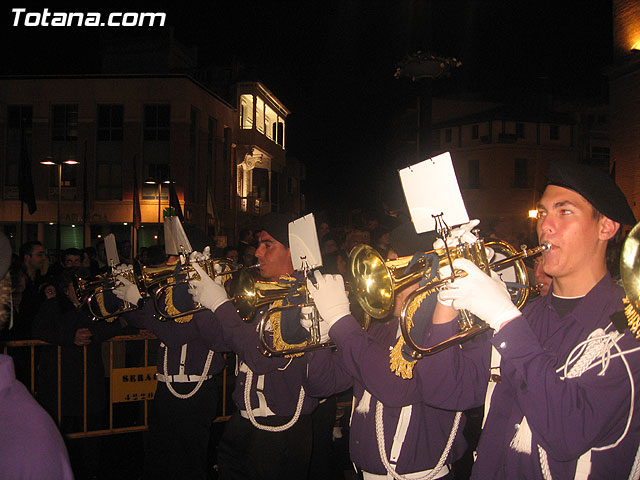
383, 452
635, 469
585, 356
207, 364
252, 418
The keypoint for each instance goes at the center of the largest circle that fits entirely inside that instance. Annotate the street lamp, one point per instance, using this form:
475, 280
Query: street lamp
152, 181
51, 160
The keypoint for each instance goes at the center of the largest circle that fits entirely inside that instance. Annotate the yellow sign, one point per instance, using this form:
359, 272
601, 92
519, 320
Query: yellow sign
133, 384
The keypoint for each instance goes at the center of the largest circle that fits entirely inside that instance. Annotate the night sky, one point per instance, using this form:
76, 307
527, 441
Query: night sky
332, 63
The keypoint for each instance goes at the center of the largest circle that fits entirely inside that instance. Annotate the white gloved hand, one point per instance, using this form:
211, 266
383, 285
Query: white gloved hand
484, 296
206, 291
127, 291
306, 323
122, 268
329, 297
199, 257
458, 235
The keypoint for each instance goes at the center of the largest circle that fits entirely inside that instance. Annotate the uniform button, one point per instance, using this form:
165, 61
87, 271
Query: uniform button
503, 345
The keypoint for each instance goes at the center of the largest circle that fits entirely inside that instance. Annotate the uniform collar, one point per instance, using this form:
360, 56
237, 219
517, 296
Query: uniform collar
594, 302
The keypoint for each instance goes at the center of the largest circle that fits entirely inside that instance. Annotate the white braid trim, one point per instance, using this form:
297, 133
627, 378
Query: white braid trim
594, 351
635, 470
364, 404
383, 452
252, 418
521, 441
207, 364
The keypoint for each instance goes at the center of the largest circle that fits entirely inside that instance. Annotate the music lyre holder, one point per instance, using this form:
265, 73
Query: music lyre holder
443, 231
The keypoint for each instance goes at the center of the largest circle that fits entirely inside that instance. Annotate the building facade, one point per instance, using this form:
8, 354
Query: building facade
624, 99
501, 154
156, 131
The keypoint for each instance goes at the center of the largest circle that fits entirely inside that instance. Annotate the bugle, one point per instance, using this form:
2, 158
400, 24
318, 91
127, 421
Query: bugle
468, 324
95, 291
162, 281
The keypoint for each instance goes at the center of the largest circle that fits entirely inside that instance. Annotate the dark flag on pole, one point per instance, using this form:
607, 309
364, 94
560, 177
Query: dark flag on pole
137, 218
25, 188
174, 202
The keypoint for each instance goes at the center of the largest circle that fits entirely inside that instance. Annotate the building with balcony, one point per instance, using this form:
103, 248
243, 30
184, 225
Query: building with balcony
126, 128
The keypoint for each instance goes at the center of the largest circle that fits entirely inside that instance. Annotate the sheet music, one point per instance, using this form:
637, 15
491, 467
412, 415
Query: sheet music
431, 188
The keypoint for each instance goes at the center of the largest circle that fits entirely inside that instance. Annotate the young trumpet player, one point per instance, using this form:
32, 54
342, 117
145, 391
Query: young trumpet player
562, 401
186, 398
395, 432
269, 436
565, 405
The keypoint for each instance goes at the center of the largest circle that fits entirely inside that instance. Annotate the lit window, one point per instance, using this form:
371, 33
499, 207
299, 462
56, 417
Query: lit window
246, 111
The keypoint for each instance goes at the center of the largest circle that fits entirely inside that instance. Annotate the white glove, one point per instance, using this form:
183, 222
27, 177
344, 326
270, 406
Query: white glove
199, 257
122, 268
307, 322
484, 296
329, 297
461, 234
127, 291
207, 292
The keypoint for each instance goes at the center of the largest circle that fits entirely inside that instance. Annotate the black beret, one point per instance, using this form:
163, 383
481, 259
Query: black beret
405, 241
276, 225
5, 255
595, 186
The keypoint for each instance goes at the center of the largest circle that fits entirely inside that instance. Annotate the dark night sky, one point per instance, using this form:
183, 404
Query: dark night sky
332, 63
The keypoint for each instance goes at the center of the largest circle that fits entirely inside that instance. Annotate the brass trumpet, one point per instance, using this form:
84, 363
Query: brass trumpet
377, 281
161, 281
281, 348
630, 273
94, 290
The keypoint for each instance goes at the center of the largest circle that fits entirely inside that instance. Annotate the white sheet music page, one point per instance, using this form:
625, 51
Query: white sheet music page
431, 188
175, 237
111, 250
303, 242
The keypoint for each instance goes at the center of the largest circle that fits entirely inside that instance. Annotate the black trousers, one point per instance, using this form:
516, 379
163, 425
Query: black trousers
248, 453
179, 429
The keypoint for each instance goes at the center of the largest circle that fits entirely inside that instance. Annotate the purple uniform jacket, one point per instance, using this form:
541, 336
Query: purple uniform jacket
362, 358
567, 417
30, 444
174, 336
280, 379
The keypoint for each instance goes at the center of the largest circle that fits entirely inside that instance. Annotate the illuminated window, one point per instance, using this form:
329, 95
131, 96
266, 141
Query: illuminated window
260, 114
246, 111
270, 123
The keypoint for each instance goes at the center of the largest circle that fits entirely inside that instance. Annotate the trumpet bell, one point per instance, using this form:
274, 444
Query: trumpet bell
630, 274
376, 281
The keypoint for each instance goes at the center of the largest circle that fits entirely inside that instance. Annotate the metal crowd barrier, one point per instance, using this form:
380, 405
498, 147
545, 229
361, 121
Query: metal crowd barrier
119, 375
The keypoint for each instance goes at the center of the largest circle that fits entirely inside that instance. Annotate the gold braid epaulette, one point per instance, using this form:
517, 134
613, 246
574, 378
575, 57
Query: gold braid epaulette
278, 341
399, 365
171, 308
633, 318
103, 309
